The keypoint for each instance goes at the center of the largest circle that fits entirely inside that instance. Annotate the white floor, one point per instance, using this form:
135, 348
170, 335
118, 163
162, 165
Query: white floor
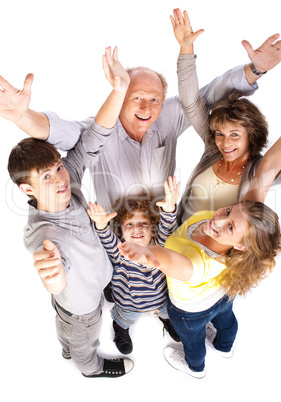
32, 366
62, 42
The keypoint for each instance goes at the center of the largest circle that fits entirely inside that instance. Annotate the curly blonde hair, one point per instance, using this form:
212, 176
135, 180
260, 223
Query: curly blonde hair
245, 269
127, 206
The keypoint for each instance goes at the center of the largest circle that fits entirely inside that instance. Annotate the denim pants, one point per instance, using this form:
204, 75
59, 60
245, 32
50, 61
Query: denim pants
191, 328
79, 336
126, 318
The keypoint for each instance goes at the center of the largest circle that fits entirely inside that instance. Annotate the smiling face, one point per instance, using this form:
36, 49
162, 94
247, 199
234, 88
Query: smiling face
228, 226
50, 187
142, 104
233, 142
137, 229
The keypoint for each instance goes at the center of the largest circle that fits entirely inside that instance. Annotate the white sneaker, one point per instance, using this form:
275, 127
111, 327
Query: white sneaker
176, 359
211, 333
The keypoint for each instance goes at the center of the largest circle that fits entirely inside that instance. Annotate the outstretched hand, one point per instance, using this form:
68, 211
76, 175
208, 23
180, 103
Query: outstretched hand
182, 28
267, 56
47, 261
171, 195
14, 102
115, 73
138, 254
99, 215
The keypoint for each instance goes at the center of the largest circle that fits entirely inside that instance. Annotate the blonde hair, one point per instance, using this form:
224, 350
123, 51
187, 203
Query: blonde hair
245, 269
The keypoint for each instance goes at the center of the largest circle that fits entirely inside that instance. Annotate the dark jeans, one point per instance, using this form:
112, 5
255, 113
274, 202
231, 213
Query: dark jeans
191, 328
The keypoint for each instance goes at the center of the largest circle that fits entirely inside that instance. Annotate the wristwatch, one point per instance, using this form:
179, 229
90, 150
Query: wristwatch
255, 71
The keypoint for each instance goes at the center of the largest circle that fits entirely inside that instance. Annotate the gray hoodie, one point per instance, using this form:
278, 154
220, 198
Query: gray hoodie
85, 262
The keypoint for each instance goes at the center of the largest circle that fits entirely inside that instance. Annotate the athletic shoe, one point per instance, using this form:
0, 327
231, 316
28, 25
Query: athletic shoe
114, 368
170, 329
66, 355
122, 339
211, 333
176, 359
107, 291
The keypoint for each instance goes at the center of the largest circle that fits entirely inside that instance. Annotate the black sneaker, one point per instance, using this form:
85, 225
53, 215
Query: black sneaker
122, 339
170, 329
107, 291
114, 368
66, 354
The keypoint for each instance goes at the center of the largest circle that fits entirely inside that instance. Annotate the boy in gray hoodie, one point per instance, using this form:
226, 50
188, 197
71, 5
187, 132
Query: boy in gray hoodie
68, 254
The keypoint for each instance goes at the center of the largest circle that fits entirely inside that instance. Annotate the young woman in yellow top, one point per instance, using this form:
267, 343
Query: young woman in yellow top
211, 258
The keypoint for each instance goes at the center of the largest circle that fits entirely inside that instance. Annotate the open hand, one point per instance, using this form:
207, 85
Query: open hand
267, 56
182, 28
115, 73
14, 102
138, 254
171, 195
99, 215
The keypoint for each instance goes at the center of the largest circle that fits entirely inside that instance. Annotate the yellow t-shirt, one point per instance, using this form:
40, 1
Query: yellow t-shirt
202, 290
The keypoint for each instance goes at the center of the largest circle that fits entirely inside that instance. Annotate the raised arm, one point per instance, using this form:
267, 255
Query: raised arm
119, 80
14, 106
193, 104
266, 173
99, 215
264, 58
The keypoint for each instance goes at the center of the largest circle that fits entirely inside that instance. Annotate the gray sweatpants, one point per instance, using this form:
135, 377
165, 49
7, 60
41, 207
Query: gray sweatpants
79, 337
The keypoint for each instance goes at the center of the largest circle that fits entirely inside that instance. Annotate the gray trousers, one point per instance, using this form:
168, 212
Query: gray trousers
79, 337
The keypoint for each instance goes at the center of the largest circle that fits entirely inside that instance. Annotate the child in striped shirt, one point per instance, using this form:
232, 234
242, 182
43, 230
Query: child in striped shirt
136, 289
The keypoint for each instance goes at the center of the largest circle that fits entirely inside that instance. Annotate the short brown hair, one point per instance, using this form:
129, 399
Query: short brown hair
127, 206
241, 112
28, 155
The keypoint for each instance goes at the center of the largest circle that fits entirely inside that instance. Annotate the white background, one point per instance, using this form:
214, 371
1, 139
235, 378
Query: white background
62, 42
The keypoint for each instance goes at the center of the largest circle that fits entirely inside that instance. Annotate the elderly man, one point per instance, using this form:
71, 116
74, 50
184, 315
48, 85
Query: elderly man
140, 153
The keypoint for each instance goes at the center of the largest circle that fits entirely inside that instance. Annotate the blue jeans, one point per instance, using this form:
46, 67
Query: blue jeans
126, 318
191, 328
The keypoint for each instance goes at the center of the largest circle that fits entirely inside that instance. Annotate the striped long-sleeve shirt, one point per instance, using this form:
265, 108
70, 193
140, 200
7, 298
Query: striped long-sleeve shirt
133, 287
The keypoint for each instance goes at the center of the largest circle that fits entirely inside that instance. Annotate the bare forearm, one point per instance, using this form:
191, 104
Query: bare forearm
268, 169
250, 76
35, 124
173, 264
109, 112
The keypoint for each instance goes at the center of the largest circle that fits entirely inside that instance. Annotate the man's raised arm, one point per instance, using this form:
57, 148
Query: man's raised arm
14, 106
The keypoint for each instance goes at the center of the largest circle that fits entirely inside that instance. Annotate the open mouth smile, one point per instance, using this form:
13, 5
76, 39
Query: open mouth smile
142, 118
213, 227
229, 151
63, 190
137, 236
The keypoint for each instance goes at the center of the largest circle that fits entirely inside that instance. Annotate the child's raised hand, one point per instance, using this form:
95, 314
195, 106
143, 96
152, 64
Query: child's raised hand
182, 29
98, 214
138, 254
114, 71
171, 195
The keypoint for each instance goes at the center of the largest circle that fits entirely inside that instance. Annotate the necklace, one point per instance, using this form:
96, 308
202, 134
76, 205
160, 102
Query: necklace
238, 174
